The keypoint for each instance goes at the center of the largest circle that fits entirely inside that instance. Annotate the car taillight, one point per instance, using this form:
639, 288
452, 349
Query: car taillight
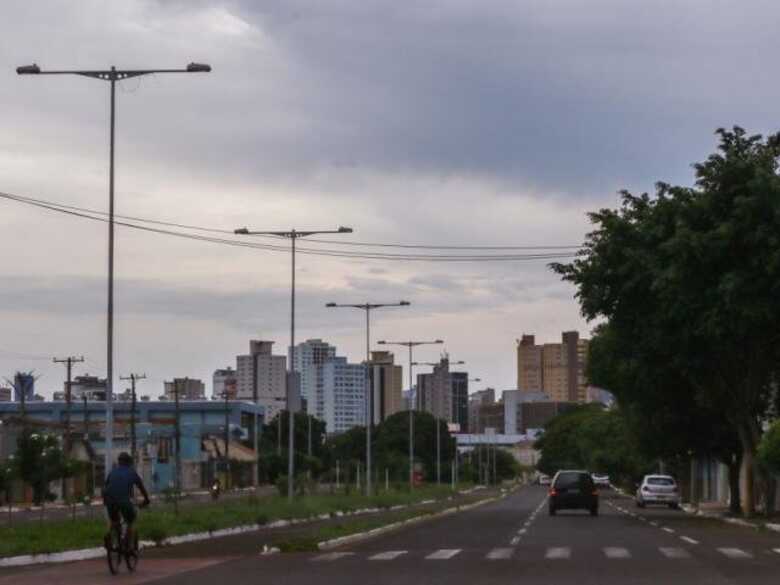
553, 492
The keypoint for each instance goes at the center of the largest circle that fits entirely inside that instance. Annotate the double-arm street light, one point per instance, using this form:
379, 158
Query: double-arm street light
438, 426
368, 307
411, 345
293, 236
112, 76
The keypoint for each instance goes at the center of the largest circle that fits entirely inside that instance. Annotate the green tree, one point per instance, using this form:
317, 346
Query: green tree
769, 448
697, 269
40, 461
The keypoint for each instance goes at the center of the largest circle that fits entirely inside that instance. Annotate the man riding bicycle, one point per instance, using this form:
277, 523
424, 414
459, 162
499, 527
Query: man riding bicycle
118, 492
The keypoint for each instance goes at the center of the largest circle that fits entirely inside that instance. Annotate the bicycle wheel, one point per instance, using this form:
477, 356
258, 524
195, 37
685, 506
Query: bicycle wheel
131, 553
113, 546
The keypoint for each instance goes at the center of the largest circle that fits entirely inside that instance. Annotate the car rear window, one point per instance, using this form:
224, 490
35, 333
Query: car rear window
660, 481
568, 480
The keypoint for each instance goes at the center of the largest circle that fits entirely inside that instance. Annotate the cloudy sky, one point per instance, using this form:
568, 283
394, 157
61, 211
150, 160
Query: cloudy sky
435, 122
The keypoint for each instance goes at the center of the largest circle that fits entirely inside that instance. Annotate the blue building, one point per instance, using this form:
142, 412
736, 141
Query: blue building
202, 436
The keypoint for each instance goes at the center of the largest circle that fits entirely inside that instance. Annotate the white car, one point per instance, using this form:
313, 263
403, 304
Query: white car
658, 489
543, 479
601, 481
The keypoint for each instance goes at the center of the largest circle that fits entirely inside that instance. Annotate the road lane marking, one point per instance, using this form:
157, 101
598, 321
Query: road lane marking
689, 540
500, 554
777, 550
617, 552
387, 555
674, 553
333, 556
735, 553
521, 531
443, 554
558, 552
654, 524
669, 530
515, 540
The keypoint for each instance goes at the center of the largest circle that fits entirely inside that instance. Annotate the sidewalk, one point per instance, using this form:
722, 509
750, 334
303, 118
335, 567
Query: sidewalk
720, 511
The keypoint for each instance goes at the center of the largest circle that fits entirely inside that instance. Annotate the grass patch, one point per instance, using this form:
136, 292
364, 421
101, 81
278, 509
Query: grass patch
160, 521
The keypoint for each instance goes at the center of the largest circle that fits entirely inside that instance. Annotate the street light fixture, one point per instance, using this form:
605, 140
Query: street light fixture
111, 75
410, 345
293, 236
438, 426
368, 307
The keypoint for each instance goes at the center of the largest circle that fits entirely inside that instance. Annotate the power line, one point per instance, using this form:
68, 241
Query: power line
364, 255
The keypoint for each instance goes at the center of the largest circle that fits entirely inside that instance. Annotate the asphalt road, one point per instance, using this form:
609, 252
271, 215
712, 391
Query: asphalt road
511, 541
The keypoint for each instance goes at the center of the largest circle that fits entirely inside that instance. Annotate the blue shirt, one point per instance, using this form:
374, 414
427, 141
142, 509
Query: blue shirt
119, 484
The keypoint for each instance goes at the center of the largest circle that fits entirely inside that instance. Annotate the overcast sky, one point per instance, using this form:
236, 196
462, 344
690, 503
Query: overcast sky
441, 123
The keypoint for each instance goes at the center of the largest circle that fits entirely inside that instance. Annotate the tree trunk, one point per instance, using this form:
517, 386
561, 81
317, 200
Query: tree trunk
734, 466
748, 471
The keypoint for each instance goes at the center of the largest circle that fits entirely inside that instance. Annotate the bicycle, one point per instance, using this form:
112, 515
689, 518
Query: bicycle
118, 547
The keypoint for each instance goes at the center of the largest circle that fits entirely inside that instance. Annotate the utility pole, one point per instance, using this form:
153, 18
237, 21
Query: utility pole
225, 395
177, 441
68, 361
133, 443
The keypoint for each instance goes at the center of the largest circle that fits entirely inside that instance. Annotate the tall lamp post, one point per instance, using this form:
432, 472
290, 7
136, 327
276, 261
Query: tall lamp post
368, 307
438, 426
411, 345
293, 236
112, 76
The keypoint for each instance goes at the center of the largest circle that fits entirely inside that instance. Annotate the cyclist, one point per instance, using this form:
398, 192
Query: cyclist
118, 491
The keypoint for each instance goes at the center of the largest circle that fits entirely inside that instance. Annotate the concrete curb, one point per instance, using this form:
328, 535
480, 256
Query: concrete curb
360, 536
93, 553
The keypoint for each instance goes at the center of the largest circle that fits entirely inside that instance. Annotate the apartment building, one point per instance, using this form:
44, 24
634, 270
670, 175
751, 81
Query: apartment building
309, 358
344, 395
386, 380
224, 381
187, 388
261, 377
557, 369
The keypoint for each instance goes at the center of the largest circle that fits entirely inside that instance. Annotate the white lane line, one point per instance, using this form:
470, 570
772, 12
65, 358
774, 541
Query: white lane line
777, 550
443, 554
500, 554
654, 524
515, 540
558, 552
387, 555
522, 531
669, 530
674, 553
735, 553
642, 518
689, 540
617, 552
333, 556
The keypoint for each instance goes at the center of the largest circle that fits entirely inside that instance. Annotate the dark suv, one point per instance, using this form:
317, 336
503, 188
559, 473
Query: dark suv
573, 490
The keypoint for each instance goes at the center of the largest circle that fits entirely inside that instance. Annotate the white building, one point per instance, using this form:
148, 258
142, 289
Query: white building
262, 376
309, 358
344, 395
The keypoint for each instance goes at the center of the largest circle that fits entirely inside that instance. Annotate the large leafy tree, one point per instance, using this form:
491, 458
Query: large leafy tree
693, 274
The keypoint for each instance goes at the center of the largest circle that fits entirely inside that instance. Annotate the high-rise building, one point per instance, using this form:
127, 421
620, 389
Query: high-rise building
557, 369
224, 381
309, 358
386, 383
513, 400
490, 416
460, 399
262, 376
529, 364
476, 401
435, 392
344, 395
187, 388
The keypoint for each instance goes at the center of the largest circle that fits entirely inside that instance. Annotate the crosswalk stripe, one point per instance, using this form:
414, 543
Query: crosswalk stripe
387, 555
735, 553
333, 556
689, 540
558, 552
617, 552
674, 553
669, 530
443, 554
500, 554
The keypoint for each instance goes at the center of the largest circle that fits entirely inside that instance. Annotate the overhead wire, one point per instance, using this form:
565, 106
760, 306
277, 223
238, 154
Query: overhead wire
85, 213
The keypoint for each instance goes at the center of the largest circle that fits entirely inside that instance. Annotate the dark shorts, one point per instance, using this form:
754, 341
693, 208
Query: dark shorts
125, 509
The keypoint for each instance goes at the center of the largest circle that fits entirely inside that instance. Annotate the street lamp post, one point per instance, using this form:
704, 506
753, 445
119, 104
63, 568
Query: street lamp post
438, 426
368, 307
293, 236
112, 76
411, 345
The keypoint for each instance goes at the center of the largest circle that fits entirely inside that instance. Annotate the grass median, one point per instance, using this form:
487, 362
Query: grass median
161, 521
